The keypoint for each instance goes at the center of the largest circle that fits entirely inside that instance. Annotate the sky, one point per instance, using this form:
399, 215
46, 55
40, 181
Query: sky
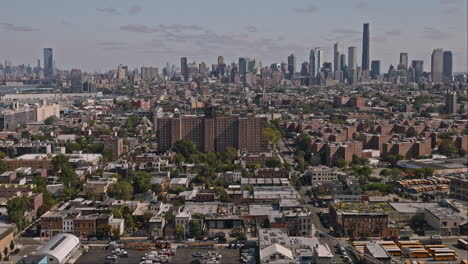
98, 35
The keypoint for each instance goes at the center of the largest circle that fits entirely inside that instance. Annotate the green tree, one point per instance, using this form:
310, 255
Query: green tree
156, 188
359, 161
170, 217
195, 229
411, 132
271, 135
121, 190
303, 142
141, 182
221, 192
186, 148
176, 189
68, 176
273, 163
59, 161
340, 163
179, 231
16, 207
103, 231
50, 120
446, 147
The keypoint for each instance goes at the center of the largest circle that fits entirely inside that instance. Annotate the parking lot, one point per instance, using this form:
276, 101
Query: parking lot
184, 255
98, 255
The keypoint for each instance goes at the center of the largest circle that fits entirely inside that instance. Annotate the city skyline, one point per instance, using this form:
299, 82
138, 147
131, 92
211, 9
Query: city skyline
133, 35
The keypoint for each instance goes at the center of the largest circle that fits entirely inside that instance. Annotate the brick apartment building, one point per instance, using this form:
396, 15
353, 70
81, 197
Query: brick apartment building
459, 189
115, 145
362, 222
211, 134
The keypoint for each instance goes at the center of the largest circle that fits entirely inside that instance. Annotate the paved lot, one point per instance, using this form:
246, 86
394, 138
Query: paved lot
184, 255
97, 255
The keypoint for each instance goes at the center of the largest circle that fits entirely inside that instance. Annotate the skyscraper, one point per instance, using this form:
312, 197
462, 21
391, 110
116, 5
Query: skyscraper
336, 57
447, 65
404, 59
342, 61
314, 62
365, 48
437, 65
375, 69
49, 69
418, 66
184, 68
76, 81
243, 66
291, 65
451, 102
352, 58
221, 65
149, 74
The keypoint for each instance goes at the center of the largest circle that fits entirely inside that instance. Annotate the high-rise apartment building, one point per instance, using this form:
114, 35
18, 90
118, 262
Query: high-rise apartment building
418, 66
451, 102
76, 81
375, 69
115, 145
210, 133
404, 59
447, 70
149, 74
437, 65
49, 67
184, 70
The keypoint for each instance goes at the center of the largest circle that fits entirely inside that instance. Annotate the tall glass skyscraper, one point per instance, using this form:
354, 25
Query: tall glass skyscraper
447, 65
49, 69
365, 48
314, 62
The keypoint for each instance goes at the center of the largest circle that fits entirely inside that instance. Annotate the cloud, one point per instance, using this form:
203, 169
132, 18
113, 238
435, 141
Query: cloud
16, 28
135, 10
252, 29
108, 10
434, 33
113, 45
308, 9
139, 28
361, 4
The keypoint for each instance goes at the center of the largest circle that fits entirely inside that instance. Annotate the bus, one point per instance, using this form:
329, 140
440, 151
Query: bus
419, 254
394, 251
444, 256
411, 246
462, 244
387, 243
434, 246
443, 250
359, 243
410, 242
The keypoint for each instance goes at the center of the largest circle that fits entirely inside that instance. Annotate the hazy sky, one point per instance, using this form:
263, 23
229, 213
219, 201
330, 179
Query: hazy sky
100, 34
